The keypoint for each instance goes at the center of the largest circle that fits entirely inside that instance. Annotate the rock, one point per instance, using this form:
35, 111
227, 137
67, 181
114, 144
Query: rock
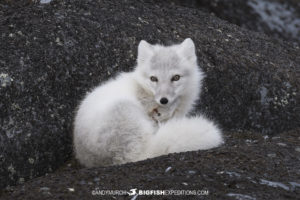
233, 171
16, 3
52, 54
277, 18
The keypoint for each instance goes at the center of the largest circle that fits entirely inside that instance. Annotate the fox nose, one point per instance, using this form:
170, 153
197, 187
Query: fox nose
164, 100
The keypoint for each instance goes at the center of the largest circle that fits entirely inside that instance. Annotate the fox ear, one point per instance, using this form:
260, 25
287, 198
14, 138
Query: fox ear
187, 50
145, 51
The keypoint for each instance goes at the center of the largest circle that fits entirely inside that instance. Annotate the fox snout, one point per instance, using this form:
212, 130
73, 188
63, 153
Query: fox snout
164, 100
164, 94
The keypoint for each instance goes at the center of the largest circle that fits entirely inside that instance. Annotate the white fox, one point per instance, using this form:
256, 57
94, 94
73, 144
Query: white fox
143, 114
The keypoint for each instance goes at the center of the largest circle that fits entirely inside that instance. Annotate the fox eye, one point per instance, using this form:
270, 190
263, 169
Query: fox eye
175, 77
153, 79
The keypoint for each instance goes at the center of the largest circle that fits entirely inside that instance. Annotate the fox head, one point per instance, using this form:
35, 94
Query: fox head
168, 72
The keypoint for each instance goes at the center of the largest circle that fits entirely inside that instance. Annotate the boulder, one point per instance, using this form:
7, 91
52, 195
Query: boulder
52, 54
249, 166
276, 18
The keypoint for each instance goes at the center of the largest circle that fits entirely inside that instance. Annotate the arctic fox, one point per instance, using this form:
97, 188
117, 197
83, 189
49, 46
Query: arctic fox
144, 113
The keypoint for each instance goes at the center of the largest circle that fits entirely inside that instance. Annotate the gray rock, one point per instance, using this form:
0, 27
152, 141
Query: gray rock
277, 18
237, 171
54, 53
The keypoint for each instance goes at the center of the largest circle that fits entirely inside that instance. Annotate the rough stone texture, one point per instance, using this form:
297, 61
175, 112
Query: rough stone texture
52, 54
249, 166
277, 18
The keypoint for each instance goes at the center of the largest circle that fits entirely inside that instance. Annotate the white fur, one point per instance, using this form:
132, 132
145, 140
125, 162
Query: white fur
123, 120
184, 134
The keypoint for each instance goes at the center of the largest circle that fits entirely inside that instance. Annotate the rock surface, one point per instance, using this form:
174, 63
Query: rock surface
277, 18
249, 166
52, 54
